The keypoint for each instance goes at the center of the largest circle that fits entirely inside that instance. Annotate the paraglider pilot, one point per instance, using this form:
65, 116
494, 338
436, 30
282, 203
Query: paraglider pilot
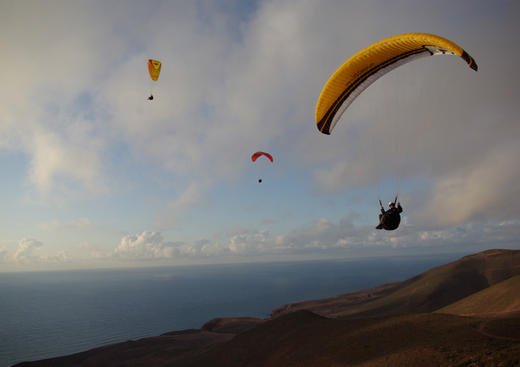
390, 219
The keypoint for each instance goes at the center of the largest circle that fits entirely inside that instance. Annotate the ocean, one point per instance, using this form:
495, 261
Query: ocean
49, 314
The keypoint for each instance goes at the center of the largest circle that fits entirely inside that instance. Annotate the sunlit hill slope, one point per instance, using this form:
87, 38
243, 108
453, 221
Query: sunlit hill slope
426, 292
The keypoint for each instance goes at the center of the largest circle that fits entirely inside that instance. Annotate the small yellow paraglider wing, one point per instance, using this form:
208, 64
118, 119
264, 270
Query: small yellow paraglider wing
369, 64
154, 68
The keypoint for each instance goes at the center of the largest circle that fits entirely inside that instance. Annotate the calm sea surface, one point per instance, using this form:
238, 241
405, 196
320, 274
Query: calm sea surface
50, 314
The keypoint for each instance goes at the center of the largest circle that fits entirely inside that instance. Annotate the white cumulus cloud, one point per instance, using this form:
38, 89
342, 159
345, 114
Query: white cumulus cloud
26, 249
28, 252
146, 245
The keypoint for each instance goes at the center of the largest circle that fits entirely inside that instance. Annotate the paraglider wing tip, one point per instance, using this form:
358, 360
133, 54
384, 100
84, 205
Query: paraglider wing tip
469, 60
323, 125
322, 128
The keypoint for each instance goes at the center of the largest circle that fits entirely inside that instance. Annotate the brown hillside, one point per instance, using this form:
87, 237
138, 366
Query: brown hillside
155, 351
336, 304
305, 339
500, 298
231, 325
427, 292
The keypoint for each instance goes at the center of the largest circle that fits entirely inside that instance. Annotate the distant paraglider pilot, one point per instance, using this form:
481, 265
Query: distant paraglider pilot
154, 69
256, 155
390, 219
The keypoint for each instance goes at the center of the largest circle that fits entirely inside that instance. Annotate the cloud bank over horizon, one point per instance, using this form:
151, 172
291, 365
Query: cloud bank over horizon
322, 239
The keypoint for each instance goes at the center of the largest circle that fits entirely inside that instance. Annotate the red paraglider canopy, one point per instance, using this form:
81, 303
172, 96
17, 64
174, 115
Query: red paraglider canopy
255, 156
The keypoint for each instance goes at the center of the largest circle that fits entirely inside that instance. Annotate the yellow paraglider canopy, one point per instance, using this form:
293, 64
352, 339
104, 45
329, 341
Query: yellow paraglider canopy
154, 68
369, 64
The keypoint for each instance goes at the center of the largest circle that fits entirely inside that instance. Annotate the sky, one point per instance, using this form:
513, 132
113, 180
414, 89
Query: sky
94, 175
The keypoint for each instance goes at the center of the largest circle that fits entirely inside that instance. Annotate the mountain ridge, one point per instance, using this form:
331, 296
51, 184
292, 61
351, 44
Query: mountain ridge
425, 292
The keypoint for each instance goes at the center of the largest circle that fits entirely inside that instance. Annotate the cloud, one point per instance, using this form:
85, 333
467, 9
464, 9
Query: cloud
144, 246
149, 245
486, 189
60, 257
250, 243
25, 252
93, 252
81, 224
322, 238
314, 238
50, 111
3, 254
344, 237
152, 246
193, 196
321, 235
76, 159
